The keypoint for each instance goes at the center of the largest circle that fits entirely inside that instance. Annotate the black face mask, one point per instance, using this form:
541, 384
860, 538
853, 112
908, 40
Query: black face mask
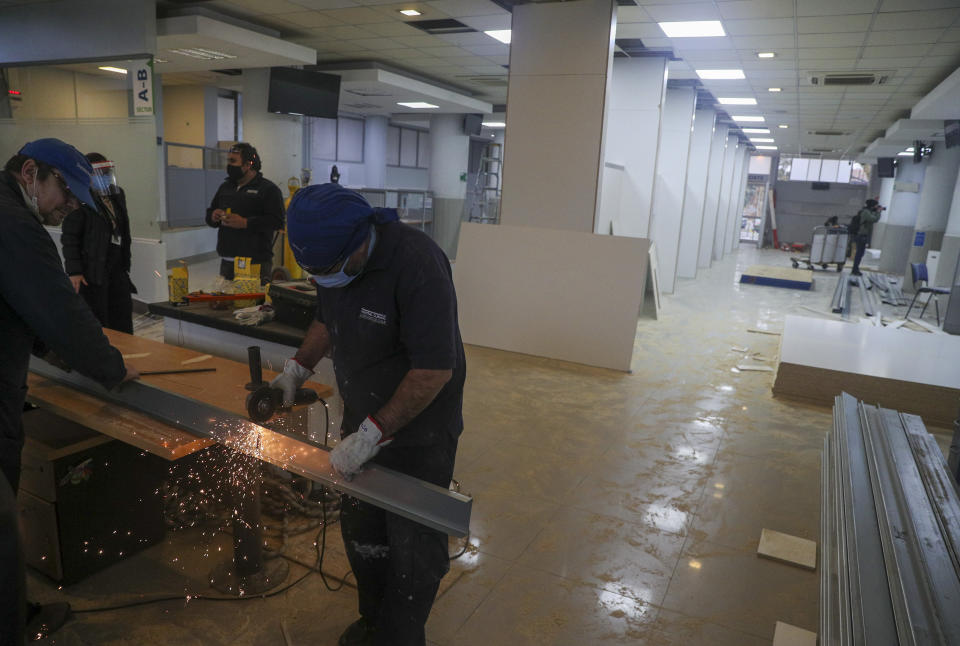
235, 172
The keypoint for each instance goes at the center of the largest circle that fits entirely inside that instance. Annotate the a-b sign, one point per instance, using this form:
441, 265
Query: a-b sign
141, 80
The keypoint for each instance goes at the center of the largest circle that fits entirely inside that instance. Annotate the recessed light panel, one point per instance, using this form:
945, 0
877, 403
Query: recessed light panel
720, 75
756, 131
503, 35
730, 100
766, 54
494, 124
774, 89
410, 12
761, 140
419, 105
693, 29
746, 118
766, 147
108, 68
783, 125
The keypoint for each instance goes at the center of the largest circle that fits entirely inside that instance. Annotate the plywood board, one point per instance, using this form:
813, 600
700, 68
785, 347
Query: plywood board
913, 373
787, 635
778, 277
551, 293
223, 389
787, 549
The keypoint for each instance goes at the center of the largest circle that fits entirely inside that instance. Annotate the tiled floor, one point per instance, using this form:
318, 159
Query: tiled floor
609, 508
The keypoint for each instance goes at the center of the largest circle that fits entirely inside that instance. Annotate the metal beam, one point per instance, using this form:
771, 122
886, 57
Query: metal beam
398, 493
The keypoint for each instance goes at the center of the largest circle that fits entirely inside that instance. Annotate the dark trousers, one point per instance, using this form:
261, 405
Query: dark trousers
861, 241
111, 301
13, 585
266, 267
398, 563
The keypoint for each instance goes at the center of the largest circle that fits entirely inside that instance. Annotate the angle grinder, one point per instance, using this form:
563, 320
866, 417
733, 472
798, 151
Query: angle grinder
265, 400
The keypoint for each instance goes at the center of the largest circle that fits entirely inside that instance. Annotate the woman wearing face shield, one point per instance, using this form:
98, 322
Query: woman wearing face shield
96, 249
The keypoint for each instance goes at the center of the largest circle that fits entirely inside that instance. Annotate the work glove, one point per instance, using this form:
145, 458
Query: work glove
254, 315
290, 380
354, 450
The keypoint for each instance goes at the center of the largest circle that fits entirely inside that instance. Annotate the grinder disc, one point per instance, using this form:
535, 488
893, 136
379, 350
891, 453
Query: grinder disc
261, 404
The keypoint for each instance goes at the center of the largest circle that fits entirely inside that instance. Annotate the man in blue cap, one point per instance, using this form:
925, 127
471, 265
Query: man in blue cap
387, 314
39, 311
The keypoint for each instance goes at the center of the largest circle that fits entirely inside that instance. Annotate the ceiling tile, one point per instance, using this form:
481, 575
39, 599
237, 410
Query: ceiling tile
487, 23
393, 29
916, 5
402, 53
268, 6
915, 19
834, 8
723, 43
458, 8
309, 19
376, 44
348, 32
445, 52
488, 50
938, 61
355, 15
761, 42
421, 41
685, 11
319, 4
831, 40
944, 49
759, 27
894, 51
642, 30
632, 14
951, 36
833, 24
904, 37
839, 53
749, 9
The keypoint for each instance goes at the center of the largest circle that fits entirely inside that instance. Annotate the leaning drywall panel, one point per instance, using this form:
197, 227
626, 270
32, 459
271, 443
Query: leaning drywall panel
551, 293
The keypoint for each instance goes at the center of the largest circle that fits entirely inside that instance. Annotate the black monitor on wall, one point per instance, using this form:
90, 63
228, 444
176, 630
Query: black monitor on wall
951, 132
312, 94
886, 167
472, 124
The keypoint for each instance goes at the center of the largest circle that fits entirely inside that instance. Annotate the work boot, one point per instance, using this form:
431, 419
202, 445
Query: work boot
359, 633
856, 272
44, 620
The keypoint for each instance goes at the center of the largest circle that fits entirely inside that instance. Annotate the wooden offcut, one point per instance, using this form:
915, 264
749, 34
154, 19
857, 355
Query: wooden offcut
787, 635
788, 549
223, 389
905, 371
778, 277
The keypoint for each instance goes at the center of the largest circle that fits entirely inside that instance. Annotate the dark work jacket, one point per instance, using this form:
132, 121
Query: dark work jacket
86, 239
38, 304
261, 203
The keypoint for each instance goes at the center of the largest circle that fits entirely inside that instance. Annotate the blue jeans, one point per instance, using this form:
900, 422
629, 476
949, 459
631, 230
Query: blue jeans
861, 241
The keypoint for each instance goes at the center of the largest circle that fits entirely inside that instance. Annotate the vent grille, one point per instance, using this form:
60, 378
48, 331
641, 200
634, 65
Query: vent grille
489, 80
362, 106
843, 79
828, 133
442, 26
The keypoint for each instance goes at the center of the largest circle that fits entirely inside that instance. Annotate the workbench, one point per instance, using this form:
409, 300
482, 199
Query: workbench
203, 314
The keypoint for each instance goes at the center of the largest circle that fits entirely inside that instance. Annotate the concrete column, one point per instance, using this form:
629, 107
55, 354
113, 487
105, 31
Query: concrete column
676, 125
698, 163
726, 188
449, 149
900, 219
711, 203
950, 249
933, 209
375, 151
736, 201
559, 65
633, 131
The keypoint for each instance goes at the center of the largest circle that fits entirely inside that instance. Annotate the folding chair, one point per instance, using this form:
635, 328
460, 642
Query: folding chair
918, 271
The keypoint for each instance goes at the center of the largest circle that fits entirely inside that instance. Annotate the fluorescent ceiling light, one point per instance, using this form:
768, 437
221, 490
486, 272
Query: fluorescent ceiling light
422, 105
107, 68
783, 125
761, 140
766, 147
766, 54
774, 89
746, 118
692, 29
731, 100
720, 75
410, 12
503, 35
494, 124
201, 53
904, 154
756, 131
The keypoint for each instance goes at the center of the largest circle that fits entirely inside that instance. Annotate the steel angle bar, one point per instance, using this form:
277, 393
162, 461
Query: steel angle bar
401, 494
871, 610
941, 491
835, 303
829, 605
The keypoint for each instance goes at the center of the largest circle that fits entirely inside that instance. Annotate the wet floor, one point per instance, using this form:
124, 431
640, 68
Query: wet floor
609, 508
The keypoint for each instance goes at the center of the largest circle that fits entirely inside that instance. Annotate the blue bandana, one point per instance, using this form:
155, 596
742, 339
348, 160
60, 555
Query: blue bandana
327, 222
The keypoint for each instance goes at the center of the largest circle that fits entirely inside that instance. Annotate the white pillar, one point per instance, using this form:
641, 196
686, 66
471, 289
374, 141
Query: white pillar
695, 192
900, 219
933, 209
676, 125
449, 149
375, 151
633, 131
950, 249
726, 179
736, 201
559, 65
718, 150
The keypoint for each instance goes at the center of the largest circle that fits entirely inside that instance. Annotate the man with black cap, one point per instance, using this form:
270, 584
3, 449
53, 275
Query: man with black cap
866, 217
387, 313
248, 209
39, 311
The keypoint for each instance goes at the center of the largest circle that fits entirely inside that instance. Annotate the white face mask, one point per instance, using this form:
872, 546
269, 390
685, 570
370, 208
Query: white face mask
32, 203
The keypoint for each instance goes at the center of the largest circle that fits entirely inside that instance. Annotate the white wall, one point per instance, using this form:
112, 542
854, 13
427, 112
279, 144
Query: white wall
718, 150
448, 156
698, 163
277, 137
800, 208
723, 204
638, 86
736, 201
676, 124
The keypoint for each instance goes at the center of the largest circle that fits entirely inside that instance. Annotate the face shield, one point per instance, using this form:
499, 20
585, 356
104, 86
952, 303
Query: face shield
104, 179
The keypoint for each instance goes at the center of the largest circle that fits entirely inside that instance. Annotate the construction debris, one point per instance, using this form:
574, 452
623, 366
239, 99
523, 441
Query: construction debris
785, 548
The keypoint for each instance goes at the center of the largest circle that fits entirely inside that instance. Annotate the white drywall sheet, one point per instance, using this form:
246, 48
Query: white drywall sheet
551, 293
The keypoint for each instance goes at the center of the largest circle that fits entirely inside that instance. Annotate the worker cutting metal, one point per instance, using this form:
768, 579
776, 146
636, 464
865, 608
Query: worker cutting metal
39, 310
387, 314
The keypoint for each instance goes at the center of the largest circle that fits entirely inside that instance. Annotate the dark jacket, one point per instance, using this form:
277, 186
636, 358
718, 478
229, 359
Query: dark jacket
866, 219
261, 203
86, 239
38, 303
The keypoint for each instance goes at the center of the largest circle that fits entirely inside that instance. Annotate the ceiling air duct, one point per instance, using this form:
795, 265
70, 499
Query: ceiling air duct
847, 79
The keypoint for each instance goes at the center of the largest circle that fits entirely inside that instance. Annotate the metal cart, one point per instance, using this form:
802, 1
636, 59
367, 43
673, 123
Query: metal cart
829, 247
